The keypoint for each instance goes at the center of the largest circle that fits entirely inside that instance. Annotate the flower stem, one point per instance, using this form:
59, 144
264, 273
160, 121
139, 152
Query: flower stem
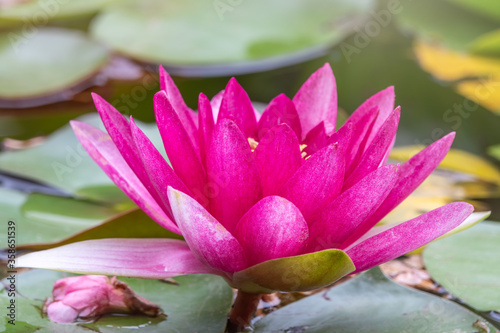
244, 308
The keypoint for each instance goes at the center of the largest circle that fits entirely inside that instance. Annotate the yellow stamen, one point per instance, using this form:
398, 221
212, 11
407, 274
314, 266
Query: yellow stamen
253, 144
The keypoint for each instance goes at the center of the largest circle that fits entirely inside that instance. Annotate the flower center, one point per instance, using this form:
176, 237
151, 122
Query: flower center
254, 143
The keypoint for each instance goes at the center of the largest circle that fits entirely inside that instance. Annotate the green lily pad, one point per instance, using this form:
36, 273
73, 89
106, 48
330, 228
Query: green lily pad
40, 12
200, 303
62, 162
46, 62
300, 273
468, 265
221, 32
371, 303
41, 218
131, 224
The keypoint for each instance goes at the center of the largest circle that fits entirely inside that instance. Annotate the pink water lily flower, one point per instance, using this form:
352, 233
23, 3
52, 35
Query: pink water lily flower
278, 201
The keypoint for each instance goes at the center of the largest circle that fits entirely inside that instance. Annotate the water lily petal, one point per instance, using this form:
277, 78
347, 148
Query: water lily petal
215, 102
210, 242
407, 236
343, 215
273, 228
383, 101
377, 150
206, 125
237, 106
316, 100
317, 182
233, 177
185, 114
278, 157
104, 152
315, 139
119, 130
153, 258
156, 167
356, 129
411, 174
280, 110
179, 148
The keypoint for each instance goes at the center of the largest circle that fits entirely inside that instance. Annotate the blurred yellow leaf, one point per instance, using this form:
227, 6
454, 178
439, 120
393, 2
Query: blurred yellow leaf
456, 160
477, 77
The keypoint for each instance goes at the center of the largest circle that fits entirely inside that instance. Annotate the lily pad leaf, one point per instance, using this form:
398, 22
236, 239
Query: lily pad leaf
50, 61
299, 273
131, 224
468, 265
62, 162
371, 303
226, 32
199, 303
40, 218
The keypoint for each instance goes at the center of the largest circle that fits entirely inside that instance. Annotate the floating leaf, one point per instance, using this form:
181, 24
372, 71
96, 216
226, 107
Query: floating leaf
131, 224
46, 62
199, 303
40, 12
222, 32
468, 265
41, 218
370, 303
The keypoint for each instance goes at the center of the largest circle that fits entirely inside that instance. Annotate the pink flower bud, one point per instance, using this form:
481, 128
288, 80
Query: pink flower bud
90, 296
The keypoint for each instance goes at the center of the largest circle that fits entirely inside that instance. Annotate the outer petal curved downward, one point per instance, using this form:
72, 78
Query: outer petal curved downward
144, 258
207, 238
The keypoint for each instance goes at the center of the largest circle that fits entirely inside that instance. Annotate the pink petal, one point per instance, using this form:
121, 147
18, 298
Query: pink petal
317, 182
210, 242
236, 106
180, 151
382, 101
278, 157
408, 236
358, 128
375, 153
61, 313
273, 228
344, 214
206, 126
104, 152
316, 100
280, 110
185, 114
411, 175
119, 130
233, 177
156, 167
315, 139
215, 102
152, 258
